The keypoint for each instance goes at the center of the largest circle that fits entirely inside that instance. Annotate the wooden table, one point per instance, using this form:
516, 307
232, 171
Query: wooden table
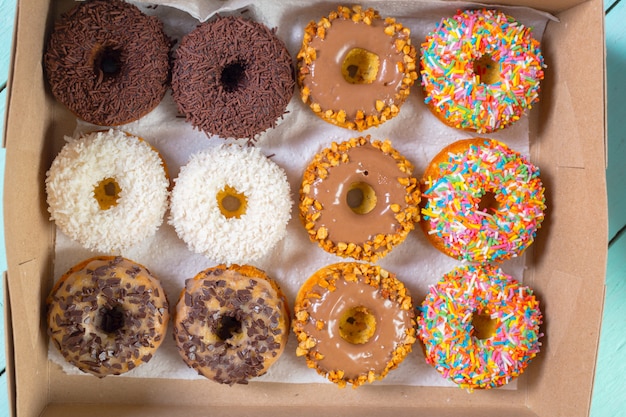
609, 397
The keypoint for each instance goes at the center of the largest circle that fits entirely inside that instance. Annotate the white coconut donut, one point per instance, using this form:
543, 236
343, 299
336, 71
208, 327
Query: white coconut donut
231, 204
107, 190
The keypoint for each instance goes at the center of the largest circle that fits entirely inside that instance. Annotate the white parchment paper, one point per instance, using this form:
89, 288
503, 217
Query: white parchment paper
416, 133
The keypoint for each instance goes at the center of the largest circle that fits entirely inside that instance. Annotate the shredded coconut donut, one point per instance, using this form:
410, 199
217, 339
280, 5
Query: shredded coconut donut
114, 166
231, 204
480, 327
481, 70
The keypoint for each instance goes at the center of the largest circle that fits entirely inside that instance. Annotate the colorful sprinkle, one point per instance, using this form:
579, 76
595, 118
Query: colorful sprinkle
450, 339
452, 79
455, 188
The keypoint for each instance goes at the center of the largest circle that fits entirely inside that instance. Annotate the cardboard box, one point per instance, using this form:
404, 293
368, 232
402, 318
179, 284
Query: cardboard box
567, 271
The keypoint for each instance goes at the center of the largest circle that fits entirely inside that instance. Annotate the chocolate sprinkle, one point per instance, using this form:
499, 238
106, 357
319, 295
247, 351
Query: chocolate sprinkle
108, 62
237, 353
232, 77
103, 326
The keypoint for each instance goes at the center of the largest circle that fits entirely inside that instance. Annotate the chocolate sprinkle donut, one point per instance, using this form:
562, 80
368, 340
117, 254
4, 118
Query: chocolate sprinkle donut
108, 62
232, 77
107, 315
231, 323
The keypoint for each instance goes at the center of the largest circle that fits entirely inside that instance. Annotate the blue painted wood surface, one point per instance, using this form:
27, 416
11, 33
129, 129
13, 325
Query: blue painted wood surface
609, 396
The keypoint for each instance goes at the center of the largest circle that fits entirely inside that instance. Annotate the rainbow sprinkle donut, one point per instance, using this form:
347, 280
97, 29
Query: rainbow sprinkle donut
482, 201
481, 70
480, 327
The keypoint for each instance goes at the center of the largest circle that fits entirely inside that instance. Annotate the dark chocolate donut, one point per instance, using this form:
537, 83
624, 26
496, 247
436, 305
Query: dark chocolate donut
108, 62
232, 77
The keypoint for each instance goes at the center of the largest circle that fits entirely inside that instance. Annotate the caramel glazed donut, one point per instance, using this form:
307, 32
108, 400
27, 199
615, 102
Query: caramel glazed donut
359, 199
480, 327
354, 323
107, 62
355, 69
107, 315
231, 323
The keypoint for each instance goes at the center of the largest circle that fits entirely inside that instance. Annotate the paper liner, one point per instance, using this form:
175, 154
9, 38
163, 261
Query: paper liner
415, 132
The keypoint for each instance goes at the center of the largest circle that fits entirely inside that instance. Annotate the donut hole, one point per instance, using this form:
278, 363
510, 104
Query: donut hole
361, 198
488, 202
108, 61
232, 203
484, 326
357, 325
487, 70
107, 192
228, 327
111, 319
360, 66
233, 76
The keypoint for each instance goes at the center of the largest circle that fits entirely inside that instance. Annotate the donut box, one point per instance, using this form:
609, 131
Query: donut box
564, 134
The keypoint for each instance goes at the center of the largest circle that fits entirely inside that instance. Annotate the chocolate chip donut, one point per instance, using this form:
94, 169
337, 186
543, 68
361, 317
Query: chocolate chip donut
107, 315
231, 323
108, 62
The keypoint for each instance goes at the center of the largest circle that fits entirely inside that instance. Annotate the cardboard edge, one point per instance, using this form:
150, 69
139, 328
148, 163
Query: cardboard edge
575, 173
10, 75
105, 410
606, 115
27, 258
9, 348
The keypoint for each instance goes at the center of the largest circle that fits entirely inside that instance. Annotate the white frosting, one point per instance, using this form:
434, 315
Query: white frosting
196, 215
85, 162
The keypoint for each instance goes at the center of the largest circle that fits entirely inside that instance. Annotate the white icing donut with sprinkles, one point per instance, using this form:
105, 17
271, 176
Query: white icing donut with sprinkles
481, 70
480, 327
482, 201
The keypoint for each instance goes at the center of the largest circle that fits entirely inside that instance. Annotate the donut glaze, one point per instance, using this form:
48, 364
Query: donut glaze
355, 69
108, 62
334, 305
107, 315
482, 201
481, 70
388, 212
231, 323
456, 345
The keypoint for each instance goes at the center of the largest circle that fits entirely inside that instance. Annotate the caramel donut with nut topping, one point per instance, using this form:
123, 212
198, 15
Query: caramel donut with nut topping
107, 315
359, 199
231, 323
354, 323
355, 69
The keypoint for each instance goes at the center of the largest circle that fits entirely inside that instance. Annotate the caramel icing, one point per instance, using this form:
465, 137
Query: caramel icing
392, 323
328, 86
380, 171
